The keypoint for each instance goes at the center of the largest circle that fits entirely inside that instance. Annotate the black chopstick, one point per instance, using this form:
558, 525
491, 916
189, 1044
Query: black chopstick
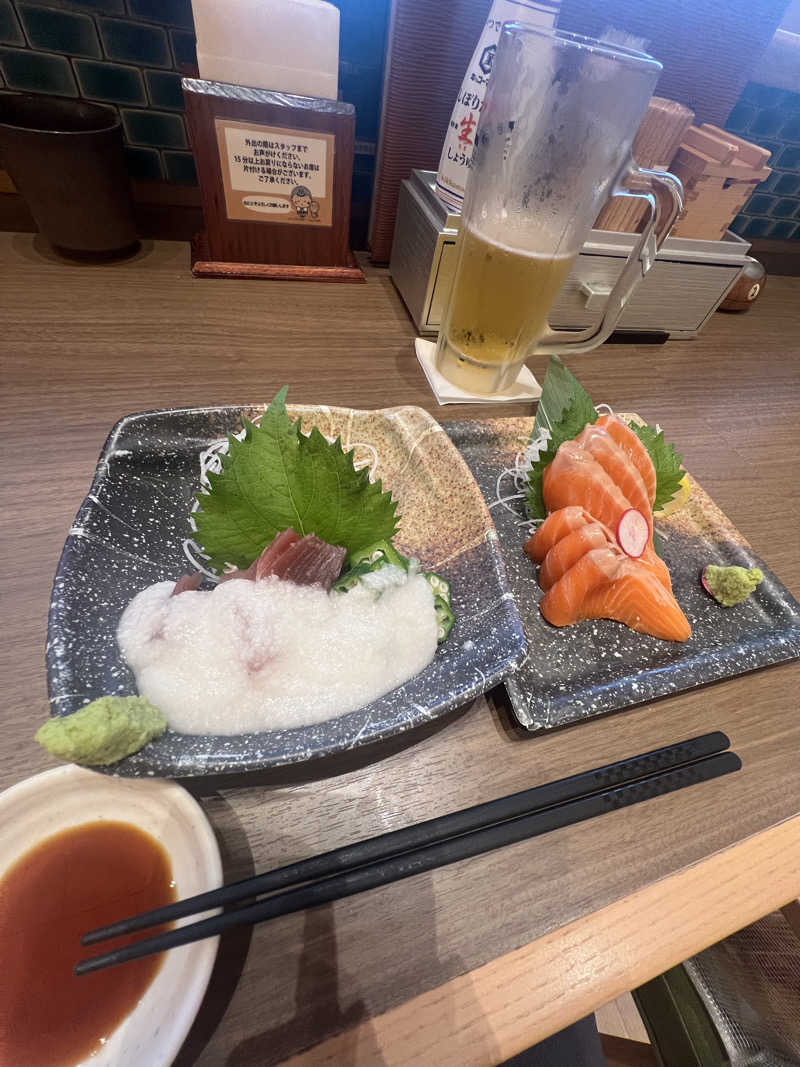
449, 850
423, 833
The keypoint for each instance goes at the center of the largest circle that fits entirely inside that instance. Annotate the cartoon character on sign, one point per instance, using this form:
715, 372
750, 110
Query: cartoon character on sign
303, 203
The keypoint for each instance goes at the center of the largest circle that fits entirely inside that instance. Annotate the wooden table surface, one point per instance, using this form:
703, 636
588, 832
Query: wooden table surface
472, 963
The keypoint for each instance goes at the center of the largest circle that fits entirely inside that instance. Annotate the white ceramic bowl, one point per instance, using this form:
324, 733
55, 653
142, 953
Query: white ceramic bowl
43, 805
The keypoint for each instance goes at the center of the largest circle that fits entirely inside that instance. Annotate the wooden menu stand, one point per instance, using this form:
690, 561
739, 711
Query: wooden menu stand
275, 172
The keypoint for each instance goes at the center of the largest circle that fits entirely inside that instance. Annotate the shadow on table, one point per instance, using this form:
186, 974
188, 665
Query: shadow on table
334, 1002
317, 1002
329, 1002
332, 766
37, 249
340, 763
233, 947
503, 718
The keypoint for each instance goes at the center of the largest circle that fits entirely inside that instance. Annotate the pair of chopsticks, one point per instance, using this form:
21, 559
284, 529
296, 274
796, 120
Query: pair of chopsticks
425, 846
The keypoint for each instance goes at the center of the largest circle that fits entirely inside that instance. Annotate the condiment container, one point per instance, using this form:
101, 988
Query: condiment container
655, 144
720, 172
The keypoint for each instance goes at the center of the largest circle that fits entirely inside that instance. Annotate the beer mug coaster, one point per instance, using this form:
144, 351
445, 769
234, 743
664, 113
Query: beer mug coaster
524, 388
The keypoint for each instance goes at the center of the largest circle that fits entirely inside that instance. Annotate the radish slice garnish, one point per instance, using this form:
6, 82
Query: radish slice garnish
633, 532
705, 585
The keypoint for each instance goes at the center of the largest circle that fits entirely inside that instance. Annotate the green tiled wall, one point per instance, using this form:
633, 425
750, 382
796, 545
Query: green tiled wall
771, 118
59, 31
131, 53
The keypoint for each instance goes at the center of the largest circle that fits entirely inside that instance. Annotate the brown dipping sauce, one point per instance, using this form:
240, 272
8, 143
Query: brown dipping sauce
72, 882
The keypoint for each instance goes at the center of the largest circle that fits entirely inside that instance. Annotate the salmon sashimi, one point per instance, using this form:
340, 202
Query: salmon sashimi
575, 477
627, 440
558, 526
587, 488
637, 598
569, 549
562, 604
607, 584
555, 526
618, 465
654, 563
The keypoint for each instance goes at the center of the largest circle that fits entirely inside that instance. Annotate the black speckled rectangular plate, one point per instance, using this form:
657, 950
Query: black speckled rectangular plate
593, 667
128, 534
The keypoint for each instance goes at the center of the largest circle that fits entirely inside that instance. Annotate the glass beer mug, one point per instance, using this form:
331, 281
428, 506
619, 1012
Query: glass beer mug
552, 145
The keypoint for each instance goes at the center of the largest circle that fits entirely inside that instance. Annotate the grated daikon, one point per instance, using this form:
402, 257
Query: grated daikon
252, 656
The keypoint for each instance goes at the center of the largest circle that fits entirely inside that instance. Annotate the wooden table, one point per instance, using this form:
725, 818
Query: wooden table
474, 962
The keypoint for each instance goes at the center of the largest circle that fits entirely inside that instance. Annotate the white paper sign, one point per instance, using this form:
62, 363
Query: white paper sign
262, 162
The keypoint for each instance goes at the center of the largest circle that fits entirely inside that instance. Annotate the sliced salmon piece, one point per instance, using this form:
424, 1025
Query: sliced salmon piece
619, 466
563, 601
630, 443
636, 598
605, 584
656, 564
574, 477
566, 552
559, 525
587, 488
555, 526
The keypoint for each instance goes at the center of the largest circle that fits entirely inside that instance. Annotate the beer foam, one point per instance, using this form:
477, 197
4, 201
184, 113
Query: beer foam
529, 253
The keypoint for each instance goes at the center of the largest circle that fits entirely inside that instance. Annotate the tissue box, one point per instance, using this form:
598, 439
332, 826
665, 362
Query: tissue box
686, 284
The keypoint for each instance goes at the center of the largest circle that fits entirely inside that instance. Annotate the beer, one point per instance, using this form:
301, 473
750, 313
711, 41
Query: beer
498, 310
551, 144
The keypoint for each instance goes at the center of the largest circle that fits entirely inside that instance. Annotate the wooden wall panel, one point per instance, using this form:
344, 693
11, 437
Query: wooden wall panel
429, 47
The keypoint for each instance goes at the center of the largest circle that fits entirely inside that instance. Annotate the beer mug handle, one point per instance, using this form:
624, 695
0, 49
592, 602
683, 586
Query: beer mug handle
664, 201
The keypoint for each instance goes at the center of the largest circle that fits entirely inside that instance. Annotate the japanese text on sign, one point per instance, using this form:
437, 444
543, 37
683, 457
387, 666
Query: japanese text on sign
275, 163
275, 174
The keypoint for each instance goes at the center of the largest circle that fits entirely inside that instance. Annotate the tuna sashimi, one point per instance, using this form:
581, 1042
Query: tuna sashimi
262, 565
187, 582
310, 561
636, 451
618, 465
566, 552
272, 553
562, 603
302, 560
249, 573
555, 526
637, 598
